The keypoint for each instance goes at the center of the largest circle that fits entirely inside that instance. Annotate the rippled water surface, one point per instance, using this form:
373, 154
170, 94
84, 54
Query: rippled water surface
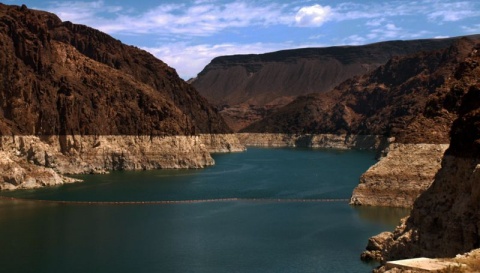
276, 225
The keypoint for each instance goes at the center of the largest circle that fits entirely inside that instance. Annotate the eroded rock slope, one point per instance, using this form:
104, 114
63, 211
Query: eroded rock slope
74, 96
59, 78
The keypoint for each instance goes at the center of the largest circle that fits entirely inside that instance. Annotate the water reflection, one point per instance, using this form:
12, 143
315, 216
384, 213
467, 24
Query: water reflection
383, 215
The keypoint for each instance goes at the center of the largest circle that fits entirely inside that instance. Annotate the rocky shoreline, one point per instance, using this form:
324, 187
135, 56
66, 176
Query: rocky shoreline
326, 141
400, 176
37, 161
402, 173
443, 221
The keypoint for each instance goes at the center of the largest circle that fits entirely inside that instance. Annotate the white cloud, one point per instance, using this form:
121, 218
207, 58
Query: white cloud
375, 22
434, 10
202, 18
355, 40
449, 15
471, 29
451, 12
316, 37
392, 32
312, 16
389, 31
375, 12
78, 11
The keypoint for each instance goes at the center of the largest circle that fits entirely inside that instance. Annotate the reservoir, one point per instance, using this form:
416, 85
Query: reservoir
264, 210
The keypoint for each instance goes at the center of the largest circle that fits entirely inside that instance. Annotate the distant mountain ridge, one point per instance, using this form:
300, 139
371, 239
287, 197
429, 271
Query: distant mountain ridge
248, 87
413, 98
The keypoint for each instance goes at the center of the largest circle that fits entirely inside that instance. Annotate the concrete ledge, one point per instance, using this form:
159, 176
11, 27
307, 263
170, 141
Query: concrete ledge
421, 265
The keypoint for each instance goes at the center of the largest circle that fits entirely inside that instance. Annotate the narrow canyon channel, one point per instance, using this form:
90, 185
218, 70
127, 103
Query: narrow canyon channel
264, 210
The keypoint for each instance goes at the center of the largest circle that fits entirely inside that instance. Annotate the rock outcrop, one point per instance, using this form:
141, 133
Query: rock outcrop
400, 176
75, 100
246, 88
36, 161
445, 219
17, 173
221, 143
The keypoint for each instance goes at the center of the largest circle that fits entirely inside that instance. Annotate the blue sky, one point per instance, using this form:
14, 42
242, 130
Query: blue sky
188, 34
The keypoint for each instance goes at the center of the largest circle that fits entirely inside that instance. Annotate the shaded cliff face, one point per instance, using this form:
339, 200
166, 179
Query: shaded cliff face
414, 99
445, 219
62, 78
248, 87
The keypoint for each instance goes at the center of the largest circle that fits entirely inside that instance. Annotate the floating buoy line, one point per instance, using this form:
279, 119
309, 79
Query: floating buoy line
174, 202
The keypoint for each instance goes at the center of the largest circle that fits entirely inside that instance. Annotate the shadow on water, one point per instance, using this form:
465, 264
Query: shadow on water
382, 215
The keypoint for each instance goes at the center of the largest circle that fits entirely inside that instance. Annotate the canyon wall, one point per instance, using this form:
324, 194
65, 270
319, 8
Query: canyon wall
75, 100
445, 219
60, 78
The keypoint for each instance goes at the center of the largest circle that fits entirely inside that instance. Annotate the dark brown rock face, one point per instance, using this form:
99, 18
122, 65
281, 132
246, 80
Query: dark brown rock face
248, 87
414, 99
465, 132
61, 78
445, 219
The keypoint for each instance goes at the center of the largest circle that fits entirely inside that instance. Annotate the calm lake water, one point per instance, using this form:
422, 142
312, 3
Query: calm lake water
272, 235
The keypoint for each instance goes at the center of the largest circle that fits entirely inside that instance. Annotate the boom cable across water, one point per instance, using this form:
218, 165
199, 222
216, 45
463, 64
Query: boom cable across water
192, 201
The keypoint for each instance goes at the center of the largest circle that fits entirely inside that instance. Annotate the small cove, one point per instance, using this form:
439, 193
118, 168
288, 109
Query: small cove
224, 236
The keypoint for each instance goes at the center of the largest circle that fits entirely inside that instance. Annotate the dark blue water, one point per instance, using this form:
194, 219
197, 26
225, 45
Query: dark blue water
233, 236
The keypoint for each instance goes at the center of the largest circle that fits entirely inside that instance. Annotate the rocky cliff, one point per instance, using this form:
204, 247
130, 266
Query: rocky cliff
62, 78
445, 219
400, 176
75, 100
411, 100
248, 87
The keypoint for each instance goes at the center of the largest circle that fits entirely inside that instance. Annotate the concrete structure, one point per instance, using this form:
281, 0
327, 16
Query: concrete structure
421, 265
